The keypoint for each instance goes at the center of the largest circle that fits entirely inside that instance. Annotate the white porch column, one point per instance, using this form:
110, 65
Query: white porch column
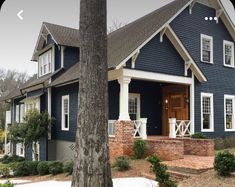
172, 122
192, 106
124, 98
49, 109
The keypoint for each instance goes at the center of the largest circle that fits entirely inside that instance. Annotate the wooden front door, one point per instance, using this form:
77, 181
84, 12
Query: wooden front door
175, 104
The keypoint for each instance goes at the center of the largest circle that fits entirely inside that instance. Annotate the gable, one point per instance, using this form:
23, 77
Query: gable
160, 57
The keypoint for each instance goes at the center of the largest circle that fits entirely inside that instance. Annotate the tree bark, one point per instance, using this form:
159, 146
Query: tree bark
91, 163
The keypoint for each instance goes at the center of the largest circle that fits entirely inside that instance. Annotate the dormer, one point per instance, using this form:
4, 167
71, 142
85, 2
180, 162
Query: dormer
57, 47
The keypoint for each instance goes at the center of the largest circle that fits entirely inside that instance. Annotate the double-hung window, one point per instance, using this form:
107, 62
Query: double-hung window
228, 48
65, 113
134, 106
45, 63
206, 49
229, 112
207, 112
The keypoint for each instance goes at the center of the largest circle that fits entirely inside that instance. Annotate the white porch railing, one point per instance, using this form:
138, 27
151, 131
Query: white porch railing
179, 128
140, 129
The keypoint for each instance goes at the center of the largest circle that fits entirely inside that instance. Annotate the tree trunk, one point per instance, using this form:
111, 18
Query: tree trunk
35, 151
91, 164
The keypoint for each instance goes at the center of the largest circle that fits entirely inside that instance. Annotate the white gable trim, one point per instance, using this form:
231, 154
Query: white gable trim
153, 35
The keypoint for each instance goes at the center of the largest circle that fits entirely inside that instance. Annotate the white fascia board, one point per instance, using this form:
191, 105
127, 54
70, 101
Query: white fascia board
159, 77
153, 35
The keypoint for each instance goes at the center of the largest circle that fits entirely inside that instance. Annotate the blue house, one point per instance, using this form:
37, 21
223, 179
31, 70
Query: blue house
174, 65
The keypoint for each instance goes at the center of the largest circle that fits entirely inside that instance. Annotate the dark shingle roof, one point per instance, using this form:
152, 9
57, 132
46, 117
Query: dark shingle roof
70, 75
63, 35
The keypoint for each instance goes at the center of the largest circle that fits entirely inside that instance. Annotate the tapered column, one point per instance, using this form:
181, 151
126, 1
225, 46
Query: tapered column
124, 98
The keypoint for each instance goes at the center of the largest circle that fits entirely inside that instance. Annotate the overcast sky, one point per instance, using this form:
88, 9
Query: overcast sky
18, 38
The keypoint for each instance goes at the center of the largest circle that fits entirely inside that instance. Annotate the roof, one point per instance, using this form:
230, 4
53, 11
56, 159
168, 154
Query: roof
64, 35
70, 75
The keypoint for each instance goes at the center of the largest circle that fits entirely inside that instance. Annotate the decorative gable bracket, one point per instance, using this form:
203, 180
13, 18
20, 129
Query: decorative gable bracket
133, 59
163, 31
186, 67
191, 7
218, 14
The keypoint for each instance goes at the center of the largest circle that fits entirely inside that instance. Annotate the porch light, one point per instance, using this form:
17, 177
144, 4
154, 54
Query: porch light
166, 101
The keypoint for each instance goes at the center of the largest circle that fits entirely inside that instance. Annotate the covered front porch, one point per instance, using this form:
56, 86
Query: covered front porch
157, 104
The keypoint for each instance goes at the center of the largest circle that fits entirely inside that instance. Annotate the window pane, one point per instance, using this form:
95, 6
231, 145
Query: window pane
66, 121
66, 102
133, 108
206, 44
206, 121
229, 113
206, 56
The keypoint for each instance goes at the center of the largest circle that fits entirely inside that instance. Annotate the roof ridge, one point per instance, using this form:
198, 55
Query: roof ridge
58, 25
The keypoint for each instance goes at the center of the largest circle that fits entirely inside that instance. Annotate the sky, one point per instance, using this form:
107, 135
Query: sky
18, 37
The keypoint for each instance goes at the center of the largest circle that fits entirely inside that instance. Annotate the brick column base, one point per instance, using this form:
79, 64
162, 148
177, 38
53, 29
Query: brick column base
122, 143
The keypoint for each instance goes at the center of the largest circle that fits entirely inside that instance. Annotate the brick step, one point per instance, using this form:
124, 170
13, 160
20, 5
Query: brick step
179, 176
187, 170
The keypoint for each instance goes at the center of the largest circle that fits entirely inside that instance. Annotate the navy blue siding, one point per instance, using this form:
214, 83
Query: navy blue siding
57, 58
221, 80
160, 57
57, 93
114, 90
71, 56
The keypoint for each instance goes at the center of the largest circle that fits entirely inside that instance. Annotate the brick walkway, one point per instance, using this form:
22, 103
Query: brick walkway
192, 162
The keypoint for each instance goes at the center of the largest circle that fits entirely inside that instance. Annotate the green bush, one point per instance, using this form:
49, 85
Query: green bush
224, 163
43, 168
160, 172
26, 168
7, 184
55, 168
4, 170
139, 148
68, 167
198, 135
14, 158
122, 163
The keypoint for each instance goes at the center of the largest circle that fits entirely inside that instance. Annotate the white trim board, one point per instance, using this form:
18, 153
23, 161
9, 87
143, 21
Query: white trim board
158, 77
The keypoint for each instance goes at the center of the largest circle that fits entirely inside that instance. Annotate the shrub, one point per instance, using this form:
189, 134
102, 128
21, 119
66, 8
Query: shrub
14, 158
55, 168
26, 168
68, 167
160, 172
7, 184
198, 135
139, 148
5, 170
122, 163
43, 168
224, 163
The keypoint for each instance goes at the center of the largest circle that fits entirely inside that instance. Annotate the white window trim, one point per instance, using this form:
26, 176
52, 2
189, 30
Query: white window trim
212, 51
233, 99
18, 147
212, 112
62, 113
51, 50
17, 115
137, 95
225, 42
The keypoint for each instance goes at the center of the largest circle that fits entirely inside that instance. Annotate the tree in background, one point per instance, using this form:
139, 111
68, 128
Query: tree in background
91, 164
9, 81
34, 127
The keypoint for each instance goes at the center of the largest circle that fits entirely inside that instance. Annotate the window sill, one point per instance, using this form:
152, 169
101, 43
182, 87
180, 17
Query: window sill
111, 136
207, 62
65, 129
227, 66
207, 130
229, 130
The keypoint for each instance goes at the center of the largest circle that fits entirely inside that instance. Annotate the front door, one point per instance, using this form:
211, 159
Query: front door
175, 103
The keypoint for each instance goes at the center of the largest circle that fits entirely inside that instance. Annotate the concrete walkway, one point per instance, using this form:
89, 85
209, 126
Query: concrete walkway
119, 182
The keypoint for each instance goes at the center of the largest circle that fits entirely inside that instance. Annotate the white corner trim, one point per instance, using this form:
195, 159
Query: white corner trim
154, 34
192, 106
62, 113
233, 119
211, 46
62, 56
191, 7
212, 112
225, 42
